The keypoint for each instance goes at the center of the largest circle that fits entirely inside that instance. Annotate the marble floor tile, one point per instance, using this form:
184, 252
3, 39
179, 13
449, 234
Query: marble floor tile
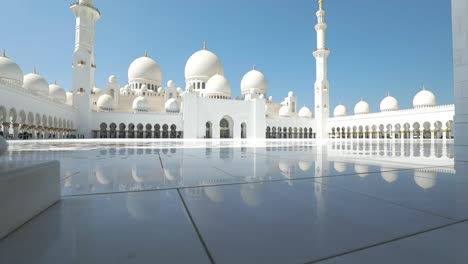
295, 221
144, 227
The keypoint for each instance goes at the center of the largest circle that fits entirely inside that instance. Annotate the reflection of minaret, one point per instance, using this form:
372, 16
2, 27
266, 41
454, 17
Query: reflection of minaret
83, 61
322, 168
322, 100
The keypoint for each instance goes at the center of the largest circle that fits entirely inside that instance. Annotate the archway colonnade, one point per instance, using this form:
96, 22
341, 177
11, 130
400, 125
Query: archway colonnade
289, 132
19, 124
416, 130
139, 130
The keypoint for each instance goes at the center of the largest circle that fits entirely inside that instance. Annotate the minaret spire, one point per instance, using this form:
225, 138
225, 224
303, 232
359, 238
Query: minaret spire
4, 53
321, 91
204, 44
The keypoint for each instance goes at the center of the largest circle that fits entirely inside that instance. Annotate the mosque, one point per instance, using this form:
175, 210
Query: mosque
146, 107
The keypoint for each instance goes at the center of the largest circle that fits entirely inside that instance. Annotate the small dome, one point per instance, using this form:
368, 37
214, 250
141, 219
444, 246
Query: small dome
218, 85
261, 96
389, 103
254, 80
270, 98
105, 102
144, 88
170, 84
113, 79
9, 70
424, 98
172, 106
203, 64
305, 112
361, 108
96, 91
36, 83
140, 104
179, 90
284, 111
144, 69
127, 88
340, 110
160, 90
290, 94
56, 92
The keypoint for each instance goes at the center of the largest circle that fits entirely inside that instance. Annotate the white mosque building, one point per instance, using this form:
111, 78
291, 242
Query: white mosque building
146, 107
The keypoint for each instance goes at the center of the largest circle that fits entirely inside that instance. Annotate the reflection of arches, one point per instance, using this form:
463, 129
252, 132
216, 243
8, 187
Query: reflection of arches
208, 130
243, 130
225, 127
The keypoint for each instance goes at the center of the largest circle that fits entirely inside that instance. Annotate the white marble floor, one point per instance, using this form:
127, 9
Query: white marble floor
139, 201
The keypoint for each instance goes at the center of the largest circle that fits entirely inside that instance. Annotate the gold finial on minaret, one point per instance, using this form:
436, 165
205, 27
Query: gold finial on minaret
254, 67
34, 70
146, 53
204, 44
320, 4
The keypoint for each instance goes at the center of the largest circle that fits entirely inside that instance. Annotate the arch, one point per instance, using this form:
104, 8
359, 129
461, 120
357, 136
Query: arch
449, 130
295, 132
140, 130
397, 131
225, 127
37, 120
416, 132
157, 131
148, 131
3, 114
406, 130
389, 133
208, 130
285, 132
103, 130
268, 132
173, 131
427, 130
30, 118
361, 132
113, 129
165, 132
243, 130
438, 134
12, 115
311, 133
354, 132
367, 131
131, 130
22, 117
122, 133
381, 131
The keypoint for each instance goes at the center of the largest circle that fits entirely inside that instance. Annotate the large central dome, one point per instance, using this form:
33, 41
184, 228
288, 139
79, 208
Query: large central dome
144, 69
203, 64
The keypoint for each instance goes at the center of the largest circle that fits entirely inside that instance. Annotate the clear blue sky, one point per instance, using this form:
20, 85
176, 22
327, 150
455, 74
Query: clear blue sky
377, 46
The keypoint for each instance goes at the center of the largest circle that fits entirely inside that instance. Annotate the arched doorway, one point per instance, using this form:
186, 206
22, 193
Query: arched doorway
243, 130
209, 129
225, 128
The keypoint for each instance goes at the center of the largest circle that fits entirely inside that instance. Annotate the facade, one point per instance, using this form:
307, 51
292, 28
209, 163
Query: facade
145, 107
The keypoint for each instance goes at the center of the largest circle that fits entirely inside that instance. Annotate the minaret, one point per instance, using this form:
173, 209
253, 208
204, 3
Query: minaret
322, 98
83, 62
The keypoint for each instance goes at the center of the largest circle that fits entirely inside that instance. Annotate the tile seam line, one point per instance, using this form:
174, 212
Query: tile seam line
387, 242
200, 237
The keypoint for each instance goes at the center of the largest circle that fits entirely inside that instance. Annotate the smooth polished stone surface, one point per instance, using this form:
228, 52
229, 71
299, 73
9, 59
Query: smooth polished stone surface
446, 245
433, 190
26, 189
140, 227
295, 222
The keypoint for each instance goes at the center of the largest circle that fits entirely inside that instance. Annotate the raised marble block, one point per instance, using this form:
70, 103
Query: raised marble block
26, 189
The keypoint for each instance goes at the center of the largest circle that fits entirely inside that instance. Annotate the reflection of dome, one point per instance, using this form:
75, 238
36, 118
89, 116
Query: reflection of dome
361, 169
137, 207
172, 106
284, 111
218, 85
9, 70
137, 178
203, 64
36, 84
388, 175
254, 80
172, 174
144, 69
105, 102
340, 110
389, 103
425, 179
339, 166
361, 108
252, 194
215, 194
101, 177
56, 92
305, 112
424, 98
305, 165
140, 104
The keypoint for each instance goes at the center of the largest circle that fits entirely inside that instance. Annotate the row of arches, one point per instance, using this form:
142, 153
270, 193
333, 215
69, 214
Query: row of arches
291, 132
417, 130
137, 131
226, 125
19, 124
